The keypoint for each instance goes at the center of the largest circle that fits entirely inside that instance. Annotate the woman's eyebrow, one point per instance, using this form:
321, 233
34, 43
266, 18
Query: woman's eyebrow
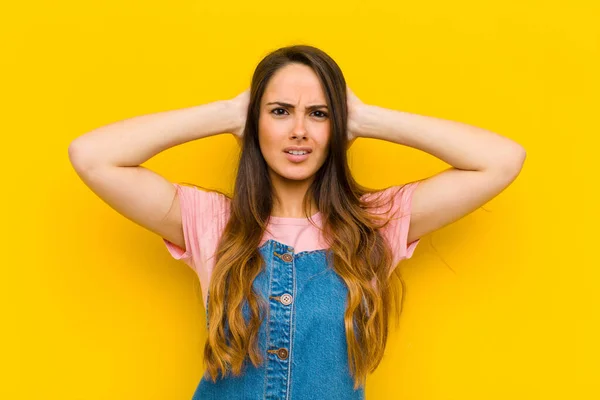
292, 106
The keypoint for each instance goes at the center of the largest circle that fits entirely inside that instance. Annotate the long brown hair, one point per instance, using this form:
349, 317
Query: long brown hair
361, 256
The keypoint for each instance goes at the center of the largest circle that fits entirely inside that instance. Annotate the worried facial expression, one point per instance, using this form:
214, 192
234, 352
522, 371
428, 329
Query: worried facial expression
294, 125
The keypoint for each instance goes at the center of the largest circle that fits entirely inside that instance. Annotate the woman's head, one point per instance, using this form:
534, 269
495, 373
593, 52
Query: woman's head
300, 76
294, 115
297, 99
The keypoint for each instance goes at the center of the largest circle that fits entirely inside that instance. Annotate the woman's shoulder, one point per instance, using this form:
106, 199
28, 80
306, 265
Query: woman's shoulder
202, 194
391, 198
204, 206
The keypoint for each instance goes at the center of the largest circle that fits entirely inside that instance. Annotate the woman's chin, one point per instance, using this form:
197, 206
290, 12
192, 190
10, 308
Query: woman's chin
297, 175
293, 173
297, 178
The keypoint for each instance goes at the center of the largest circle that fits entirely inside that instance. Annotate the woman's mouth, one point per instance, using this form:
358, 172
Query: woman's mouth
297, 156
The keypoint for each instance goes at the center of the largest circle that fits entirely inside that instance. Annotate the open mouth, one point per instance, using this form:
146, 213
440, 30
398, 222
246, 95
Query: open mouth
297, 156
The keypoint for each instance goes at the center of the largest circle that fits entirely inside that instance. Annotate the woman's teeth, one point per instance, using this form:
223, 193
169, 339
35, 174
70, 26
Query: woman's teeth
297, 153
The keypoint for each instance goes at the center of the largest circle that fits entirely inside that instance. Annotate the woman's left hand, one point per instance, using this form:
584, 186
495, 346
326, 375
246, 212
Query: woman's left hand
355, 107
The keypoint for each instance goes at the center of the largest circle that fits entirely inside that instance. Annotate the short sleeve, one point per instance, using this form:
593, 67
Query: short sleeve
396, 231
204, 215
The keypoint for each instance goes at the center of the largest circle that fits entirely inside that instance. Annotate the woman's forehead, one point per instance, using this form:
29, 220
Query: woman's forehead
294, 84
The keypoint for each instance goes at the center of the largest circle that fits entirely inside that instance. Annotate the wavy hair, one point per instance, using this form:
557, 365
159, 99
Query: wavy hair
361, 255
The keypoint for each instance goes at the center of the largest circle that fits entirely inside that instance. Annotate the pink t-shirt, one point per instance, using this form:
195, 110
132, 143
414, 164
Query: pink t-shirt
205, 214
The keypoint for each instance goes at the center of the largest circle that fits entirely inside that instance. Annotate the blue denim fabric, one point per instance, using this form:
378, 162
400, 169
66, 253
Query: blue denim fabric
302, 338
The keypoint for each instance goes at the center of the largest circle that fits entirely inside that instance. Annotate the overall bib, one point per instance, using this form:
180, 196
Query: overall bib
302, 337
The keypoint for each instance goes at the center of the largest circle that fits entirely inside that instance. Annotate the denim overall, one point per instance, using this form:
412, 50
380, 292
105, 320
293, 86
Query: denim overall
302, 337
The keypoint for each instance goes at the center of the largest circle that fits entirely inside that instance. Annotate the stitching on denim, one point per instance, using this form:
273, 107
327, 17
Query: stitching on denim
299, 254
293, 330
318, 274
269, 263
309, 252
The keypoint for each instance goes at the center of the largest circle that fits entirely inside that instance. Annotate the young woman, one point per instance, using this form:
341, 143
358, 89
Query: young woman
296, 267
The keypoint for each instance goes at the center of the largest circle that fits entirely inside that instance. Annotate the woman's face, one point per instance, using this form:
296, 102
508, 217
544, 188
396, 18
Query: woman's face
294, 113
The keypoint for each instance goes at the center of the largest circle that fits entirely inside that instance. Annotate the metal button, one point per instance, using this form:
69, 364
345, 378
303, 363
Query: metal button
286, 299
287, 257
282, 353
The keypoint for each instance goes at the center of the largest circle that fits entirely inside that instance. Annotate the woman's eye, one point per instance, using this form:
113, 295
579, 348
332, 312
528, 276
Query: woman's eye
319, 114
277, 109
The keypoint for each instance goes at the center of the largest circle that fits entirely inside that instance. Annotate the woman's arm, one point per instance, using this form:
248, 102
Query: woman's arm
484, 163
108, 160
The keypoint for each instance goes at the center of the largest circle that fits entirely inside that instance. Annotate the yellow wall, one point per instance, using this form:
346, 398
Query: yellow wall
501, 304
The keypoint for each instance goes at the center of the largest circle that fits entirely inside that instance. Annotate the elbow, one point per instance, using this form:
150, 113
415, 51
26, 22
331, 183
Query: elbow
519, 154
512, 162
74, 153
79, 156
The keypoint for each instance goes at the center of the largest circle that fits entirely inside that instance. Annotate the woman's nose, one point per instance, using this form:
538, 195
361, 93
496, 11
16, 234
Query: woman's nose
299, 126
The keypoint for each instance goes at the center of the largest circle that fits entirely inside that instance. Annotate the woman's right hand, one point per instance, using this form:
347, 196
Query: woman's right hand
240, 103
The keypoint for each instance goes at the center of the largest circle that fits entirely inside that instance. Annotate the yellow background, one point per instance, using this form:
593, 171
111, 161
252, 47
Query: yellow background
501, 304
